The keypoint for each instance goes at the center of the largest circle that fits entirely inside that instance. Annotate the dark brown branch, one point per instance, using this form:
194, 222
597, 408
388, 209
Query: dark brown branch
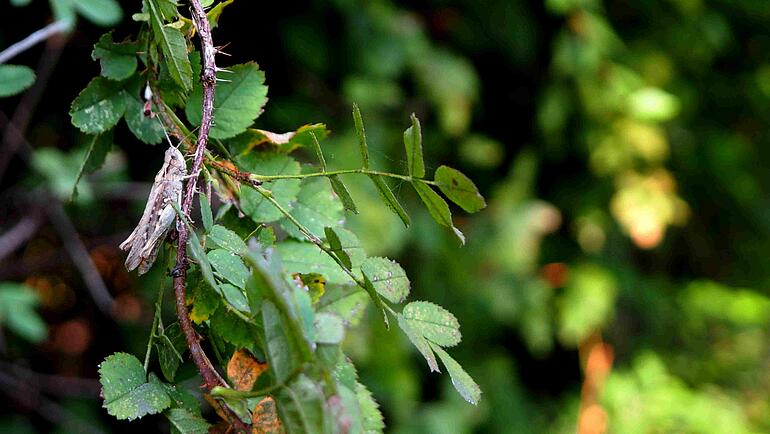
208, 78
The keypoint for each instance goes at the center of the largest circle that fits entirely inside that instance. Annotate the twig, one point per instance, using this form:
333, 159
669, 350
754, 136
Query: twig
19, 234
33, 39
58, 385
79, 254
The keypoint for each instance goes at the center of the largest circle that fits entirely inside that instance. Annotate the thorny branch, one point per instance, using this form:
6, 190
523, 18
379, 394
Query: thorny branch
210, 376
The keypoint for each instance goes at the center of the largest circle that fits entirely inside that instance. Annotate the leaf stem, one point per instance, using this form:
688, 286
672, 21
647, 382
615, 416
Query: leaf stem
407, 178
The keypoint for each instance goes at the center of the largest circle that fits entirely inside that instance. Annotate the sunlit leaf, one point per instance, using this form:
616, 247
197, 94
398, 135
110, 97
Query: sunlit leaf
437, 207
127, 394
419, 342
349, 302
99, 106
463, 382
237, 102
346, 246
388, 278
316, 207
230, 266
390, 199
372, 420
174, 48
433, 322
224, 238
328, 328
459, 189
299, 257
413, 144
284, 191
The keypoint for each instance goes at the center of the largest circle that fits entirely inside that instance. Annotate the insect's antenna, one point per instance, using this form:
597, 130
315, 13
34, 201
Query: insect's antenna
163, 127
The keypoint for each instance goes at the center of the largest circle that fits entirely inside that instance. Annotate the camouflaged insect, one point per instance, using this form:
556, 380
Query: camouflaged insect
143, 243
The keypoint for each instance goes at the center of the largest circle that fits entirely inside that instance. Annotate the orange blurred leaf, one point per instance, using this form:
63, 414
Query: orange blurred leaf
244, 369
264, 419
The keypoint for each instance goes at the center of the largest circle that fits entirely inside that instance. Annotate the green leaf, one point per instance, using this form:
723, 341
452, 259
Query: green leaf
328, 328
185, 422
206, 216
216, 11
422, 345
463, 382
100, 12
99, 106
17, 312
318, 152
237, 102
174, 47
370, 411
388, 278
147, 129
390, 199
232, 329
433, 322
281, 356
413, 144
346, 246
235, 297
359, 124
299, 257
202, 296
437, 207
285, 143
220, 236
14, 79
117, 60
170, 345
98, 148
316, 208
126, 393
197, 252
64, 10
343, 193
284, 191
229, 266
301, 406
349, 411
459, 189
349, 302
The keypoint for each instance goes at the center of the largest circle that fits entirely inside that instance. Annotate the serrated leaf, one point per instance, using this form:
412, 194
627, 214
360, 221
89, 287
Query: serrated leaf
437, 207
459, 189
328, 328
284, 191
413, 144
346, 246
117, 60
349, 302
14, 79
98, 148
126, 393
243, 370
101, 12
222, 237
174, 47
316, 207
148, 129
301, 406
206, 216
186, 422
359, 124
299, 257
372, 420
236, 104
170, 345
387, 277
390, 199
463, 382
203, 298
422, 345
99, 106
229, 266
433, 322
231, 328
348, 414
343, 193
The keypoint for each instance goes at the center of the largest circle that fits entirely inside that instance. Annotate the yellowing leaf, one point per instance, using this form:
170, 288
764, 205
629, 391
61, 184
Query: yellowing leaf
244, 369
264, 418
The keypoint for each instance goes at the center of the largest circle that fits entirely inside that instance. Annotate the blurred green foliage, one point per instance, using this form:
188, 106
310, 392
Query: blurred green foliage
621, 149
